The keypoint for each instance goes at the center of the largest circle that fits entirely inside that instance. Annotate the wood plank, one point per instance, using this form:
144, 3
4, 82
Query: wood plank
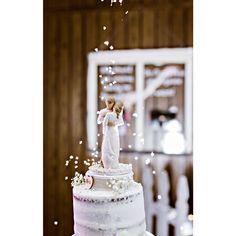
51, 52
76, 77
190, 27
119, 21
163, 31
176, 21
62, 128
104, 35
148, 29
133, 29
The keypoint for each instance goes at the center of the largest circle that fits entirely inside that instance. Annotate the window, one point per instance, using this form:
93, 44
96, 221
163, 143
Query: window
156, 88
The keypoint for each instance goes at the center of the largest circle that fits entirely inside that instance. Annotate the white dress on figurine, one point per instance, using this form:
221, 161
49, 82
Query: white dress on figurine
111, 140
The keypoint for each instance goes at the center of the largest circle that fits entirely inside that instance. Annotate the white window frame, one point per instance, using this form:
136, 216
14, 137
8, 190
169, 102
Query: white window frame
138, 57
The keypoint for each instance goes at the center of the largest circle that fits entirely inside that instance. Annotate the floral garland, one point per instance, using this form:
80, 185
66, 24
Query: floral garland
120, 185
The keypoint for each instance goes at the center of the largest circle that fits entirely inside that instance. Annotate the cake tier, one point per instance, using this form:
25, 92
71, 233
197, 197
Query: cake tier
103, 178
98, 212
145, 234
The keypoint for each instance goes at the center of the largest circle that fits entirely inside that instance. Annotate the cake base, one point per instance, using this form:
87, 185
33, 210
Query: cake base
147, 234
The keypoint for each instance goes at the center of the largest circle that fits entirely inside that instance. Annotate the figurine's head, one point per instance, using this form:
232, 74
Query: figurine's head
118, 108
110, 102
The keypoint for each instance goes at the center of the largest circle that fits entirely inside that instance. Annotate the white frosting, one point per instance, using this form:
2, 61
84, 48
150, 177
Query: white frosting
100, 211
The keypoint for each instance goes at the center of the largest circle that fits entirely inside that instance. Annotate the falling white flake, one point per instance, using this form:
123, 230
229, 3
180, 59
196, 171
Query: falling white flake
96, 49
111, 47
76, 167
152, 154
135, 114
129, 146
159, 197
66, 178
77, 158
134, 134
98, 135
55, 222
126, 12
71, 157
80, 142
106, 43
136, 158
76, 162
147, 161
104, 27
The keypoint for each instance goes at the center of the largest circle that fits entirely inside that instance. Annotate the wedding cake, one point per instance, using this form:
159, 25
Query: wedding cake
107, 201
109, 204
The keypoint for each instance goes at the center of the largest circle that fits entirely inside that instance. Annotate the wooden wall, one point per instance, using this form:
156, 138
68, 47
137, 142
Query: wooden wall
72, 28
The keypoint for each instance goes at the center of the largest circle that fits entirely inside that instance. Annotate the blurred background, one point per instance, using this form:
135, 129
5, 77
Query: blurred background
160, 144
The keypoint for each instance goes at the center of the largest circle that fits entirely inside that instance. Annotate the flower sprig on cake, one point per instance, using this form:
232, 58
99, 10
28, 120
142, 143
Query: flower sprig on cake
120, 185
79, 179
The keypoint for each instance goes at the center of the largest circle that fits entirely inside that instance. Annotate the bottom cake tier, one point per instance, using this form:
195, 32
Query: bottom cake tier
112, 205
146, 234
99, 213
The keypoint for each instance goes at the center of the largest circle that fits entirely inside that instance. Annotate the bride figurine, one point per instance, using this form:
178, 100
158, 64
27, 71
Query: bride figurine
111, 140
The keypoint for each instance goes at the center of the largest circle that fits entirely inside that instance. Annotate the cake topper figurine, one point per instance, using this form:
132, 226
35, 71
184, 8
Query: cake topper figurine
111, 119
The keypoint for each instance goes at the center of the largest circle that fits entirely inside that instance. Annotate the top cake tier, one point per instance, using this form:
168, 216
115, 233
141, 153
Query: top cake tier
101, 177
99, 170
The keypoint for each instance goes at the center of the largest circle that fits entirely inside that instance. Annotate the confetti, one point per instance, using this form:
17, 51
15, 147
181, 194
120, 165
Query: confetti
159, 197
147, 161
96, 49
80, 142
152, 154
100, 76
111, 47
106, 43
71, 157
76, 162
104, 27
153, 172
98, 135
66, 178
126, 12
77, 158
190, 217
76, 167
55, 222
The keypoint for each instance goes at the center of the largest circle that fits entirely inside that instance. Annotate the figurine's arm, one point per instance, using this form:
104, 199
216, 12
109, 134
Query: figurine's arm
120, 119
101, 117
